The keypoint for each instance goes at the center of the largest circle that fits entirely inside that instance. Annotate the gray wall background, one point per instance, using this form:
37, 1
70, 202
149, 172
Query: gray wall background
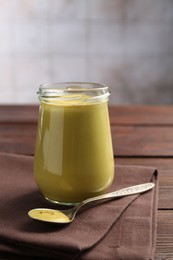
125, 44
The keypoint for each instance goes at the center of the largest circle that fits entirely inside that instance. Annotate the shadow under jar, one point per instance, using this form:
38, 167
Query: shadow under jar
73, 154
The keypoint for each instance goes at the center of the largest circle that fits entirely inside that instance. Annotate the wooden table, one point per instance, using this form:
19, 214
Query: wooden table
142, 135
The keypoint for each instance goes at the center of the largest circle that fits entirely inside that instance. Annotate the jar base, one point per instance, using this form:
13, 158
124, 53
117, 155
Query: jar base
63, 203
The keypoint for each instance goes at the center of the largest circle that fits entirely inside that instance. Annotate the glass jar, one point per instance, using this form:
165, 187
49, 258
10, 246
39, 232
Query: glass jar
73, 154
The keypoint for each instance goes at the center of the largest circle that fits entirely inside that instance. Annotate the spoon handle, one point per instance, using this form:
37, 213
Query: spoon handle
123, 192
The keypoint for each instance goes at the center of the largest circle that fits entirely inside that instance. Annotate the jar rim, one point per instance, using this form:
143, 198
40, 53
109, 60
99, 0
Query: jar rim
76, 86
61, 91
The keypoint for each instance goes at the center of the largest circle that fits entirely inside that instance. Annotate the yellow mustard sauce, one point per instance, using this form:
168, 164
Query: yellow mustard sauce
49, 215
73, 156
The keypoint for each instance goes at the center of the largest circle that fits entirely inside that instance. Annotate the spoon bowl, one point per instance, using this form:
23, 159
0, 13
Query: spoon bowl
67, 216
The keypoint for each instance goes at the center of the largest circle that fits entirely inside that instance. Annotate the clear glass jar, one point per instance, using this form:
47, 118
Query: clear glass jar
73, 154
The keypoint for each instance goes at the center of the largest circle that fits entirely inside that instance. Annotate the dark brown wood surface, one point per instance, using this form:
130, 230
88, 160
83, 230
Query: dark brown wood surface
142, 135
141, 115
143, 141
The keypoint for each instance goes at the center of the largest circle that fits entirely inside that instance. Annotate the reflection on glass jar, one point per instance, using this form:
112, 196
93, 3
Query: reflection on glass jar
73, 155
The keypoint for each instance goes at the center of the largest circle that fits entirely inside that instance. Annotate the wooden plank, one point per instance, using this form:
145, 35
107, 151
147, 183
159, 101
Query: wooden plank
119, 115
164, 165
165, 198
18, 113
141, 115
142, 141
164, 243
18, 138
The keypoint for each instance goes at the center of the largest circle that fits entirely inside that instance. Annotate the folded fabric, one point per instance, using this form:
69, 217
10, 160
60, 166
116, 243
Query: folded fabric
123, 228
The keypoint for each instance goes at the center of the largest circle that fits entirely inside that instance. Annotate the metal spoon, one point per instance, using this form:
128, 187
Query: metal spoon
67, 216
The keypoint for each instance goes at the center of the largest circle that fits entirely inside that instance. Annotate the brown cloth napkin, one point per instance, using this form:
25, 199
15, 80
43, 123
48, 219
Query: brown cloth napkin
123, 228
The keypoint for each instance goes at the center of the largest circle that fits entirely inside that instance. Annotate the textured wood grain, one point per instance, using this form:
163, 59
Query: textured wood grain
119, 115
142, 141
17, 138
141, 115
127, 141
18, 113
161, 163
164, 243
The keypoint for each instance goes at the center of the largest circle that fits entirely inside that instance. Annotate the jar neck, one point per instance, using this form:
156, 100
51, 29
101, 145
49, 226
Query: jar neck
78, 92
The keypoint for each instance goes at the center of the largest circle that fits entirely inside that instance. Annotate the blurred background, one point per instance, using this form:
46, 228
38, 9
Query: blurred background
125, 44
